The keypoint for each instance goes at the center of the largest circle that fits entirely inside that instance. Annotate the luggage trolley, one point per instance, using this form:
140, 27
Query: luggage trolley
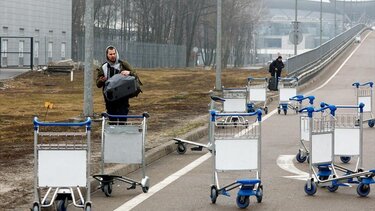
364, 95
322, 169
237, 148
181, 143
303, 151
62, 164
235, 101
123, 142
257, 94
287, 90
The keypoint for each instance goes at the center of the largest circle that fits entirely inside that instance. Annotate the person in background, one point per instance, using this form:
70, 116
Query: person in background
108, 69
275, 68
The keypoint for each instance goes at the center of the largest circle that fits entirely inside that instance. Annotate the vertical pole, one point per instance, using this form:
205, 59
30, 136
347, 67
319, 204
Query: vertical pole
335, 19
1, 52
89, 43
295, 29
31, 52
218, 47
343, 16
321, 20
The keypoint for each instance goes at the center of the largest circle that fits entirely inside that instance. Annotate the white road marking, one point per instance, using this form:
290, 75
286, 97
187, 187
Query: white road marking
154, 189
285, 162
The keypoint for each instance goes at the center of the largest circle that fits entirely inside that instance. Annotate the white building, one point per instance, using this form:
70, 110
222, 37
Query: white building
48, 23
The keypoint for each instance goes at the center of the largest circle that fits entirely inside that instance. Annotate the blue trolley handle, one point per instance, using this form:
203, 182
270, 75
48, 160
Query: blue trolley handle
300, 98
257, 112
310, 109
360, 106
357, 84
144, 115
86, 123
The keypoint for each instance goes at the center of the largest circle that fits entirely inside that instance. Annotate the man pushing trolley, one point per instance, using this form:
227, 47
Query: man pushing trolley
123, 142
237, 148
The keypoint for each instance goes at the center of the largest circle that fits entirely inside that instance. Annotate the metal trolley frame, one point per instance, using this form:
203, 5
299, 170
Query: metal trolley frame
181, 143
364, 94
61, 168
235, 101
237, 148
257, 94
123, 142
303, 151
287, 89
322, 169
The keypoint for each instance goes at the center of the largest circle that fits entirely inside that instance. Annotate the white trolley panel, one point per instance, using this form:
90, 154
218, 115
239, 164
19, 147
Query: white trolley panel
305, 128
234, 105
347, 141
367, 102
321, 148
123, 144
257, 94
62, 168
236, 154
287, 93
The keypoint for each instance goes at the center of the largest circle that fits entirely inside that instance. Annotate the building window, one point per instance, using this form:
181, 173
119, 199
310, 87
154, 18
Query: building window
50, 44
5, 30
20, 48
63, 45
22, 31
36, 49
4, 48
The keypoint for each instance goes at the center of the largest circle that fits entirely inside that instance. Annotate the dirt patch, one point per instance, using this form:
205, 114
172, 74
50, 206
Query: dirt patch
173, 98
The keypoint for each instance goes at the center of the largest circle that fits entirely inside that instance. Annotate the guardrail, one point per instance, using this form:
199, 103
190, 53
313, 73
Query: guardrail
310, 62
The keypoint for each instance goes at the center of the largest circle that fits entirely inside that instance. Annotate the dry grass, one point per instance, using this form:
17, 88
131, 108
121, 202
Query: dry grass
172, 97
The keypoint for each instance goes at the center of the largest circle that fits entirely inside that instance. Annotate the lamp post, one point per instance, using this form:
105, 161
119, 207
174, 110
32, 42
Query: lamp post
218, 47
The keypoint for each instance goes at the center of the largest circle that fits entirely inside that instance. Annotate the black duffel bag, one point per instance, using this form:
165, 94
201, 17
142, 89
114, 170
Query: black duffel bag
119, 86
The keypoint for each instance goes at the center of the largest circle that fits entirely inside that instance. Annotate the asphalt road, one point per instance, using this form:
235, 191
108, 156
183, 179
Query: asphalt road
11, 73
182, 182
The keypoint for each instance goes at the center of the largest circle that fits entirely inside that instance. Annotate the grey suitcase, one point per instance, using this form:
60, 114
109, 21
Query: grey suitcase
119, 86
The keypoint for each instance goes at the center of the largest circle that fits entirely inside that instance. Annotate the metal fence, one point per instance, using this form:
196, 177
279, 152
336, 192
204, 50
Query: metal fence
300, 62
147, 55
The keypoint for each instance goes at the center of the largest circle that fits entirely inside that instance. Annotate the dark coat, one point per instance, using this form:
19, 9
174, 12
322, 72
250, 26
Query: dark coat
276, 67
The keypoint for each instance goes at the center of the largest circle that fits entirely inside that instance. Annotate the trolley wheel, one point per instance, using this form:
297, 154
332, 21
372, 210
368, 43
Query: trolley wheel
371, 123
145, 189
214, 194
242, 201
312, 190
266, 110
363, 189
181, 148
107, 189
345, 159
88, 207
36, 207
285, 111
332, 188
300, 158
259, 194
61, 205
